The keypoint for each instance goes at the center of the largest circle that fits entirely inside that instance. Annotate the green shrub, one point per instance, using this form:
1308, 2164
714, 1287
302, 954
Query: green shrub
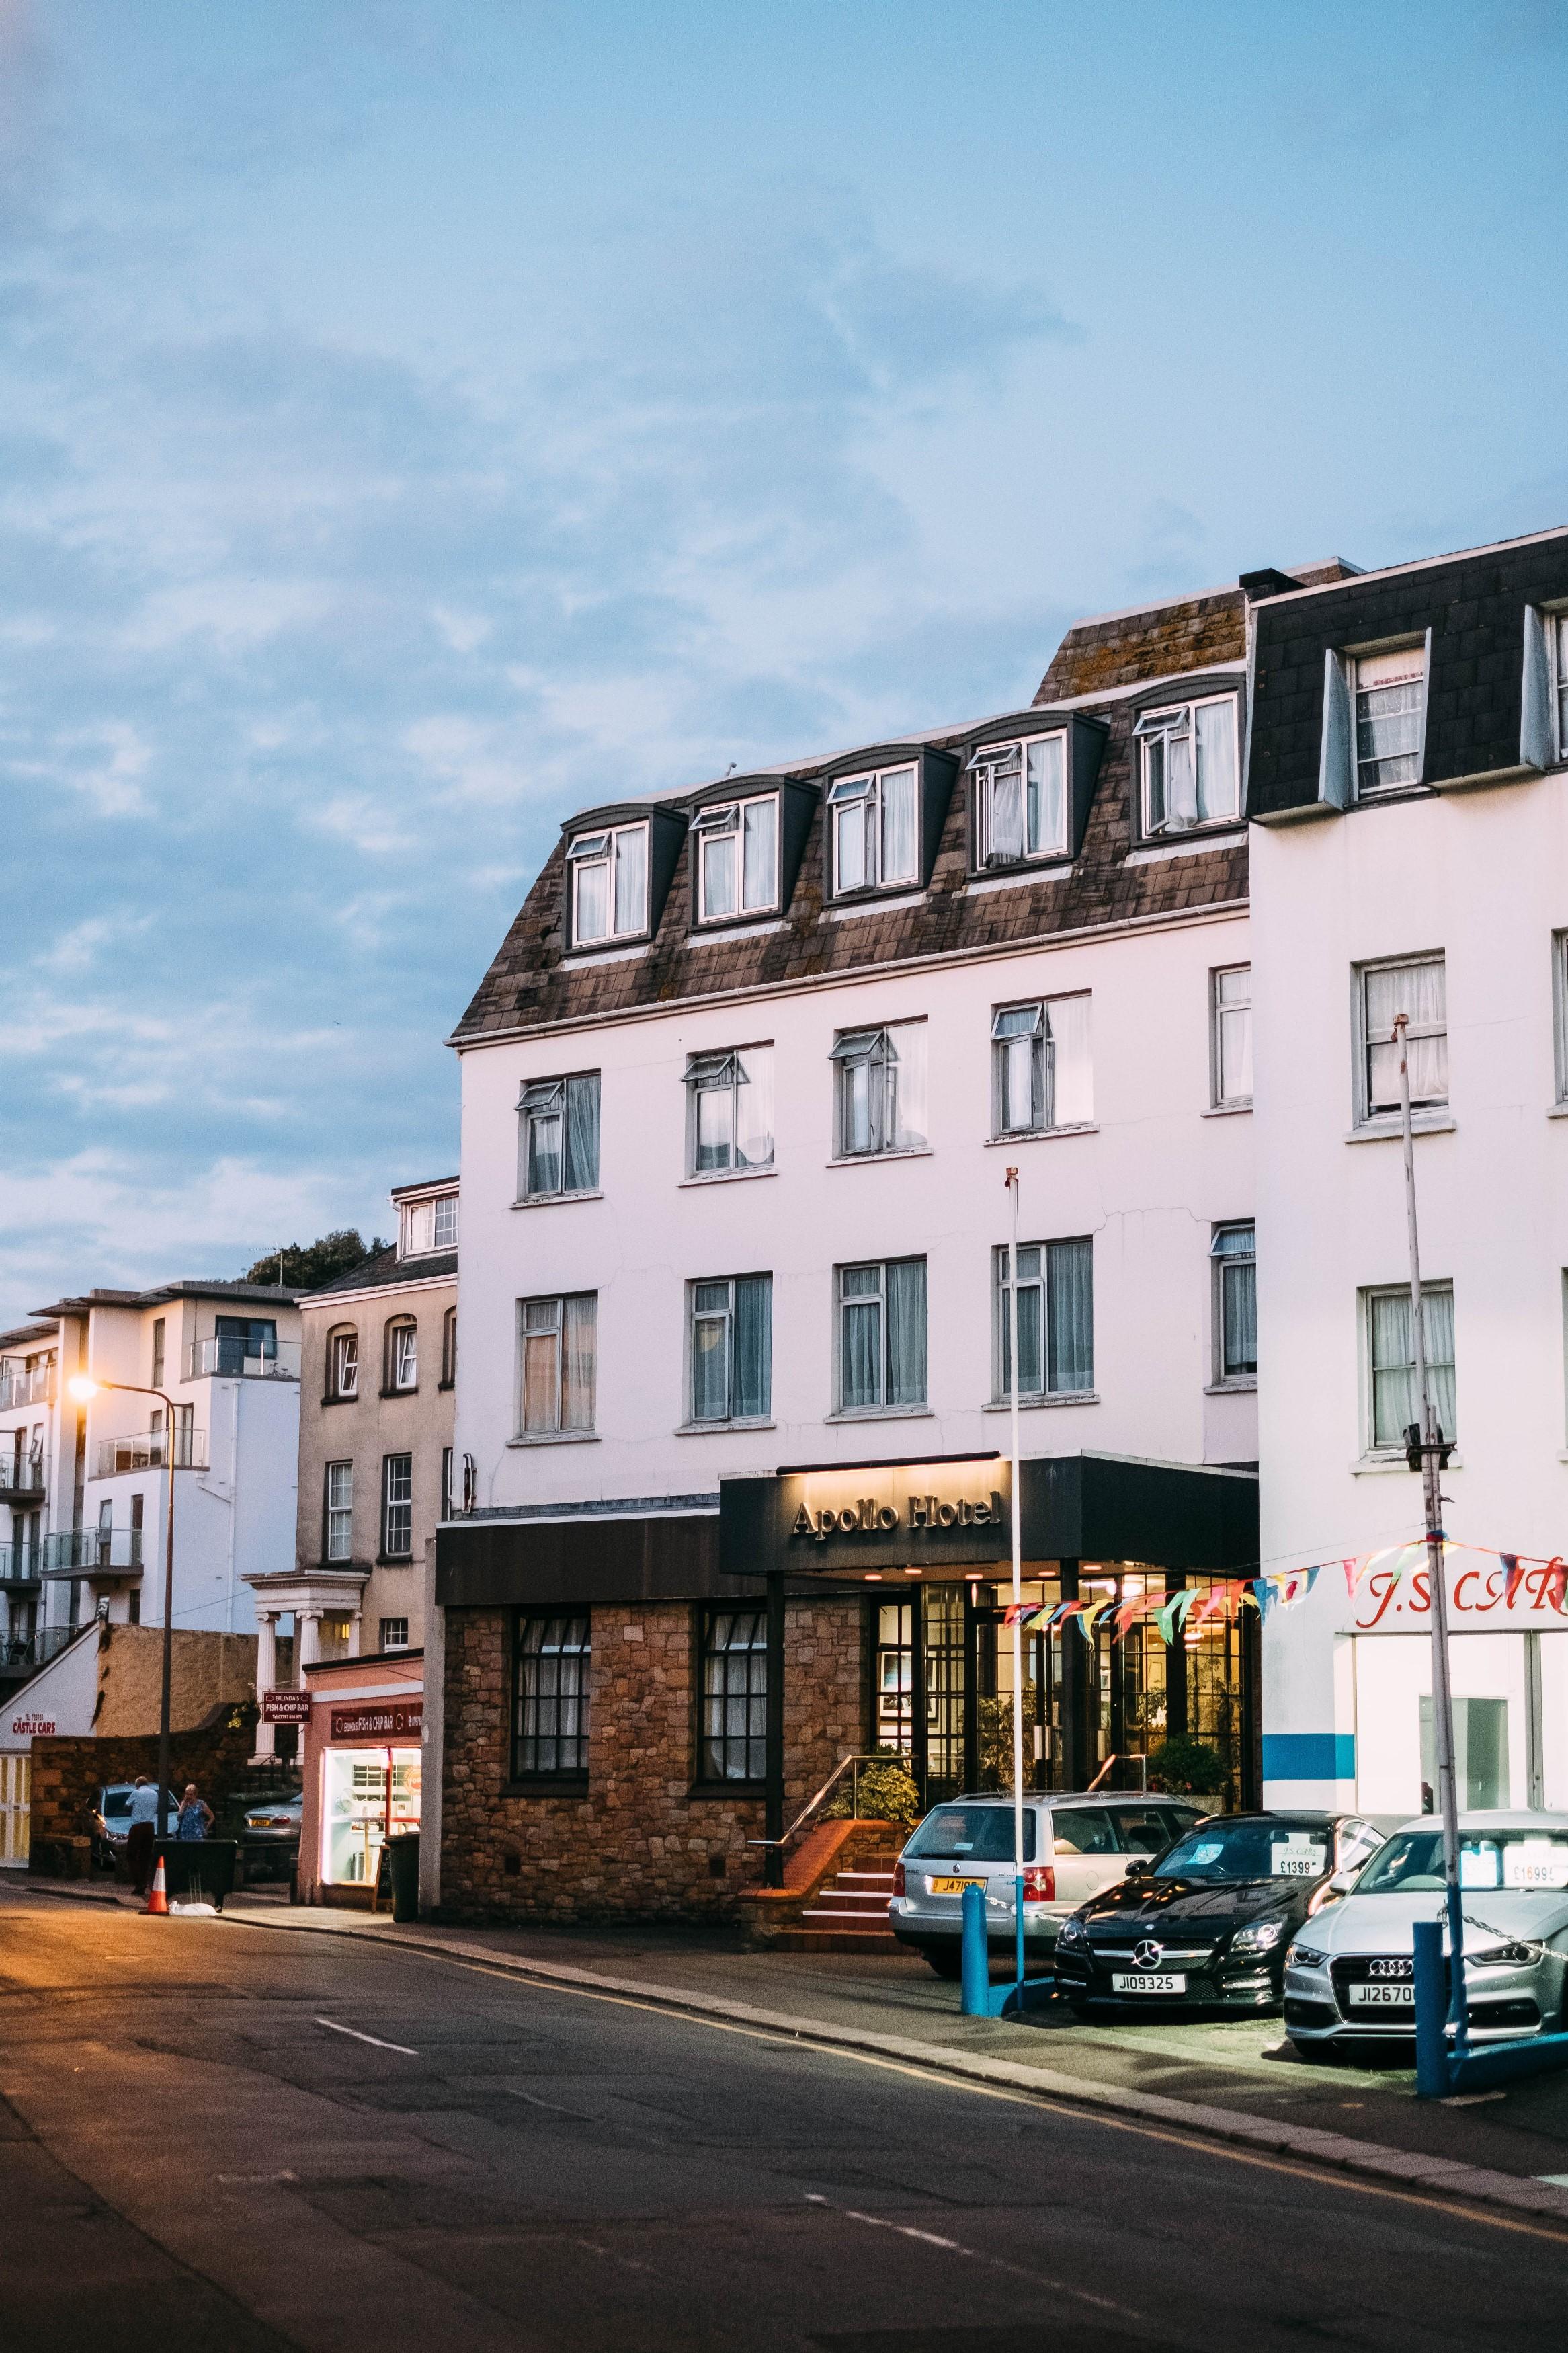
884, 1792
1188, 1769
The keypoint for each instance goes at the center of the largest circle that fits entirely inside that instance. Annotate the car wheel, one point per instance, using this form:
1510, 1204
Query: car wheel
946, 1964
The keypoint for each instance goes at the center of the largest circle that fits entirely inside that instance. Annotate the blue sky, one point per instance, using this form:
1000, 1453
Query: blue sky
417, 421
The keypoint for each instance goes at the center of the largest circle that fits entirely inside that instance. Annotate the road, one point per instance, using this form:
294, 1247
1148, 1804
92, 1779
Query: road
225, 2135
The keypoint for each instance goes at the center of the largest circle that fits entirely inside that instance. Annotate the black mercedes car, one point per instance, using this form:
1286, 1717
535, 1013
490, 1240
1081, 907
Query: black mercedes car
1207, 1923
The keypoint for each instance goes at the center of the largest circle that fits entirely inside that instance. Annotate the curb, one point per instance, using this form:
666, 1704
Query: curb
1335, 2151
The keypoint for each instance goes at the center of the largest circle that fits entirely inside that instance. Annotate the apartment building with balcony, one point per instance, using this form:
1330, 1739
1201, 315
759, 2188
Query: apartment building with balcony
740, 1091
87, 1481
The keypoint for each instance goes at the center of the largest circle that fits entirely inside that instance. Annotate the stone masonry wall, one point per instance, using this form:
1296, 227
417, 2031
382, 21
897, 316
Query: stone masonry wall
642, 1843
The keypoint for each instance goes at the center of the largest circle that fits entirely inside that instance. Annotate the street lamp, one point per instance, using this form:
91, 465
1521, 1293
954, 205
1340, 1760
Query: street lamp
84, 1388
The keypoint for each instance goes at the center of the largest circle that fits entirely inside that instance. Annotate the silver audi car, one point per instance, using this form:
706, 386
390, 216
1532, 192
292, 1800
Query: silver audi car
1074, 1847
1349, 1970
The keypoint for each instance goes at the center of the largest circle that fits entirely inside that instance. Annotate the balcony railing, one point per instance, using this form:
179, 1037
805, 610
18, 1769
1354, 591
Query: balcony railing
20, 1564
149, 1451
93, 1552
35, 1650
236, 1359
22, 1477
37, 1387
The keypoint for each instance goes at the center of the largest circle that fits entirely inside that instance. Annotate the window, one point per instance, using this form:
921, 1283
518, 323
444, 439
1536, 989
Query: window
881, 1089
397, 1507
342, 1362
1056, 1320
559, 1347
428, 1226
558, 1137
401, 1355
550, 1725
874, 830
1188, 775
243, 1340
731, 1348
1390, 719
1558, 625
1391, 1350
447, 1463
1040, 1073
159, 1327
1020, 800
444, 1222
394, 1633
609, 884
737, 852
1560, 996
735, 1695
882, 1335
449, 1348
1230, 1041
340, 1511
730, 1112
1235, 1253
1419, 989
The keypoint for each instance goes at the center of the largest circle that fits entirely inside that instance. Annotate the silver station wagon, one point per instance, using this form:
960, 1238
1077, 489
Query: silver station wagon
1073, 1848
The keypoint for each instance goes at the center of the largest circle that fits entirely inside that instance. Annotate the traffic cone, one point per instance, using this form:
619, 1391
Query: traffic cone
159, 1900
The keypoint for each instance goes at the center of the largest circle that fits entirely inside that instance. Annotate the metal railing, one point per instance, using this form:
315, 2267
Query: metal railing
236, 1359
21, 1474
851, 1765
35, 1650
149, 1451
21, 1388
19, 1564
92, 1551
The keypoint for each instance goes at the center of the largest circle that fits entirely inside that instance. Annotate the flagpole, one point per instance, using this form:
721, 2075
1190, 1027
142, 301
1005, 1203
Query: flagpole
1011, 1183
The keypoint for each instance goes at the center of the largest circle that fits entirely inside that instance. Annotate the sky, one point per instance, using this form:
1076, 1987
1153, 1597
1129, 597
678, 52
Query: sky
418, 422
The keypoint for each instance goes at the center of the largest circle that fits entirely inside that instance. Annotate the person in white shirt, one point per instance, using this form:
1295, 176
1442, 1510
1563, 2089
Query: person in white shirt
139, 1838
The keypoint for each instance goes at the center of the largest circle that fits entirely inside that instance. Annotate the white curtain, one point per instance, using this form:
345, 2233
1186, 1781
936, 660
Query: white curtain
755, 1108
899, 827
1031, 1321
907, 1091
849, 846
582, 1173
1419, 991
1069, 1309
906, 1332
1005, 829
753, 1345
710, 1352
1394, 1402
860, 1378
631, 879
579, 1334
762, 824
1216, 726
1072, 1077
718, 855
1047, 827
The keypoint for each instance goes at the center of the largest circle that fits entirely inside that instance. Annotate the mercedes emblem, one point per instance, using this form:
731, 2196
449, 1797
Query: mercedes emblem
1147, 1953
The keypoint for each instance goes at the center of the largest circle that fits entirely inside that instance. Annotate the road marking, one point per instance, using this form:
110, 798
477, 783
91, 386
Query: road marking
1558, 2181
374, 2039
581, 2116
256, 2180
956, 2247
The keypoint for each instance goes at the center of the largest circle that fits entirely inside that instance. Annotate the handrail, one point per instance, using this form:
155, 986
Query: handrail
1127, 1759
811, 1805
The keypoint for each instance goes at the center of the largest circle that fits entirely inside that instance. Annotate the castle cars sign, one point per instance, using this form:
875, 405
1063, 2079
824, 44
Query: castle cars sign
919, 1515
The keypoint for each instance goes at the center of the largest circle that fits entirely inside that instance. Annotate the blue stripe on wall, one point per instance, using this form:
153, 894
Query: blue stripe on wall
1309, 1756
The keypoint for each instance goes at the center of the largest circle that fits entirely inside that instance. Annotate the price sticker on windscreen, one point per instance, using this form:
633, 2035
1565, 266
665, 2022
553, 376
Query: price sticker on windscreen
1535, 1863
1297, 1855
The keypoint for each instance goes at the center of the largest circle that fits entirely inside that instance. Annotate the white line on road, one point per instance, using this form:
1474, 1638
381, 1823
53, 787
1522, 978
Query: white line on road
373, 2039
956, 2247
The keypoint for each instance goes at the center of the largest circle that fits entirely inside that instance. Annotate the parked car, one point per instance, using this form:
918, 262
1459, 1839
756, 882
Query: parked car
1073, 1847
112, 1806
269, 1833
1209, 1921
1350, 1974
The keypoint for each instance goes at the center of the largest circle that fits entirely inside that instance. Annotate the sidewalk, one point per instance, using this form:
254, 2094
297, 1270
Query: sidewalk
1237, 2079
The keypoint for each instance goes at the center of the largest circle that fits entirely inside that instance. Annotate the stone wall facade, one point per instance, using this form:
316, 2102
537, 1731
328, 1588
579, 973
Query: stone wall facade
645, 1840
68, 1773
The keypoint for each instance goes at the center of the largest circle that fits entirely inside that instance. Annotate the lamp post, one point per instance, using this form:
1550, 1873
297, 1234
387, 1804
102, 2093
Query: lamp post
83, 1388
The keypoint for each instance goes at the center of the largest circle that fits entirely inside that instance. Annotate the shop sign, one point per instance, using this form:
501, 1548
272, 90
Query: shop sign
855, 1522
32, 1726
1476, 1597
866, 1517
282, 1705
380, 1721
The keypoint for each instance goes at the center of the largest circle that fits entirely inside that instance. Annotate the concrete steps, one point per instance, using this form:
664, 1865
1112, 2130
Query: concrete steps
849, 1915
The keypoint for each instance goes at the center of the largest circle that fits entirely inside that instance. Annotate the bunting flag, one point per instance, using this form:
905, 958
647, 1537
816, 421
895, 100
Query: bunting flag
1088, 1623
1514, 1570
1126, 1612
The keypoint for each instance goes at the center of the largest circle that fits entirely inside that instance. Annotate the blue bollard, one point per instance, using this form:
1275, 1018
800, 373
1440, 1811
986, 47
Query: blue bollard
976, 1979
1431, 2014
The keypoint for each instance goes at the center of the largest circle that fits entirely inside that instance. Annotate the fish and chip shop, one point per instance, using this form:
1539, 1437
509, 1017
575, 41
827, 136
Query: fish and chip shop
363, 1771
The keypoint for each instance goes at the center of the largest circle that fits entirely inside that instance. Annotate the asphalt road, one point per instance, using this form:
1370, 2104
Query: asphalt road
224, 2135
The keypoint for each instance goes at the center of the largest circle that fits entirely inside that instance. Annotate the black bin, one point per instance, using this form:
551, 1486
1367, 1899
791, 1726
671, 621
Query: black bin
199, 1870
403, 1848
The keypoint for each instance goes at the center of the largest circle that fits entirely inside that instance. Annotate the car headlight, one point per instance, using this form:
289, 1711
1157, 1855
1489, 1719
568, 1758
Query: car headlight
1260, 1936
1305, 1956
1072, 1931
1517, 1955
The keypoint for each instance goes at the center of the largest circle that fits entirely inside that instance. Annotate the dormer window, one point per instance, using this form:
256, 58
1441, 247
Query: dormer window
1020, 800
429, 1226
609, 884
1560, 679
737, 852
1188, 775
874, 830
1390, 719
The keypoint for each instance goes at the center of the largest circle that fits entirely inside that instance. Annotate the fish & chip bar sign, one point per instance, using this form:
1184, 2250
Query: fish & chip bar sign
282, 1705
379, 1723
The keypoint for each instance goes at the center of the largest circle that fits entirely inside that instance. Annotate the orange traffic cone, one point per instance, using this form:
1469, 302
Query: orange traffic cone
159, 1899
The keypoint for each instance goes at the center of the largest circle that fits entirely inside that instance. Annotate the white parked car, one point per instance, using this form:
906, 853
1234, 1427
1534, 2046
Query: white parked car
1350, 1972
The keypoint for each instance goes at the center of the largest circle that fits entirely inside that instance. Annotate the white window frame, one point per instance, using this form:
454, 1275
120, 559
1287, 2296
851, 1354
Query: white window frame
604, 848
1557, 639
1386, 1451
1560, 1014
403, 1356
417, 1231
726, 821
401, 1504
866, 791
1181, 725
726, 1315
732, 1070
541, 1318
1007, 1032
1224, 1011
879, 1298
868, 1049
444, 1221
546, 1098
1352, 659
1220, 1258
1424, 1108
989, 765
1041, 1280
391, 1638
342, 1362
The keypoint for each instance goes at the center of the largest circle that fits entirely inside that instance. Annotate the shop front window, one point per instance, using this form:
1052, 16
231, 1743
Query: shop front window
367, 1793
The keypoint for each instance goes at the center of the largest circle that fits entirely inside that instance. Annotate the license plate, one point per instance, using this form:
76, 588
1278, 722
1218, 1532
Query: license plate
1148, 1981
952, 1886
1383, 1996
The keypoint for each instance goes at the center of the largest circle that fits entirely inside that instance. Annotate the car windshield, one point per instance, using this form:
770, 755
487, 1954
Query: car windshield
115, 1801
1412, 1862
973, 1834
1250, 1850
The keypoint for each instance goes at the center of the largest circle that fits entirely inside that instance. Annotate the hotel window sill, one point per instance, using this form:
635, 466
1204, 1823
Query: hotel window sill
395, 1561
351, 1398
546, 1785
753, 924
553, 1200
1041, 1134
1245, 1385
1223, 836
1034, 1404
882, 1413
607, 951
705, 1429
1386, 1131
1558, 1111
557, 1438
725, 1177
876, 1159
397, 1393
1367, 1466
1227, 1110
1014, 877
876, 902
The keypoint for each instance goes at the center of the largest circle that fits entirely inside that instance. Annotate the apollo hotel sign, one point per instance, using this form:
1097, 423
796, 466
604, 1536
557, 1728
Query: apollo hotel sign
912, 1514
866, 1517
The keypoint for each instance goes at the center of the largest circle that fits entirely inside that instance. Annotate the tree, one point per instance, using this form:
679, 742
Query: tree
311, 1267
